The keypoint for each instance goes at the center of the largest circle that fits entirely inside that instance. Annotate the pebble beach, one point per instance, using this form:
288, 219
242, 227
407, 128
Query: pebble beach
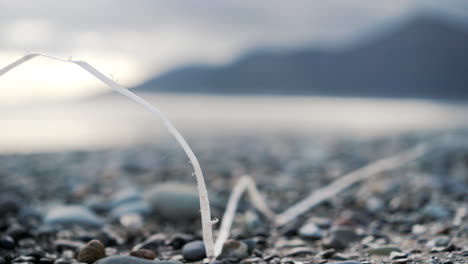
139, 204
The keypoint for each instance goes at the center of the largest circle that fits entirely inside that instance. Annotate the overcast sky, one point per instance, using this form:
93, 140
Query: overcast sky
133, 40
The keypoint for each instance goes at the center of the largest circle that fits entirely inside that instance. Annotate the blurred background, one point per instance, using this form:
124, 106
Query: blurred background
360, 68
294, 93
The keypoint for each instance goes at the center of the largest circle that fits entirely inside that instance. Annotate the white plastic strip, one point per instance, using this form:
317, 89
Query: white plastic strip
204, 202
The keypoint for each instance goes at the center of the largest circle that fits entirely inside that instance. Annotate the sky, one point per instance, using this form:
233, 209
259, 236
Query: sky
134, 40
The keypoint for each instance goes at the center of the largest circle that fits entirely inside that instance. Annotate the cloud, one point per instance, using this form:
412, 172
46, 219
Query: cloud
158, 35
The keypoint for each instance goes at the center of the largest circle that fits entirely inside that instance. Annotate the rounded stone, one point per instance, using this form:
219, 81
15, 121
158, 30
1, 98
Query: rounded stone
310, 231
234, 249
91, 252
194, 251
174, 201
143, 253
7, 242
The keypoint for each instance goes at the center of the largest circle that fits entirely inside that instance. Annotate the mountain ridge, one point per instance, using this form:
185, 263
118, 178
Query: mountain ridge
424, 58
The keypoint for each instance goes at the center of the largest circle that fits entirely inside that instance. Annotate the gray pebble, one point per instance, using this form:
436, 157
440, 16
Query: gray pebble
310, 231
344, 262
194, 251
133, 207
132, 260
233, 249
73, 215
174, 201
397, 255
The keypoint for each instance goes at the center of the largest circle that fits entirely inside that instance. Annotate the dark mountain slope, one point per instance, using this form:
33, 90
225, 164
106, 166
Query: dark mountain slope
425, 58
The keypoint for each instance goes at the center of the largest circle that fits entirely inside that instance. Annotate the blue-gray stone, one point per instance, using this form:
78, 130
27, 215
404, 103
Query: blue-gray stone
344, 262
132, 260
174, 201
194, 251
310, 231
73, 215
126, 196
134, 207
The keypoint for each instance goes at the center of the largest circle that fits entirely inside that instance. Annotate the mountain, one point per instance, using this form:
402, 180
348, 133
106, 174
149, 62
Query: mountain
424, 58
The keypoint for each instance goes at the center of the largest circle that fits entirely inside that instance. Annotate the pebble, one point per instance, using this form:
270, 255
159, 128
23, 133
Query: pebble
435, 211
299, 252
194, 251
340, 238
344, 262
397, 255
45, 261
128, 195
345, 235
178, 240
327, 253
310, 231
442, 241
92, 251
383, 251
63, 244
152, 242
233, 249
143, 253
73, 215
133, 207
133, 260
174, 201
7, 242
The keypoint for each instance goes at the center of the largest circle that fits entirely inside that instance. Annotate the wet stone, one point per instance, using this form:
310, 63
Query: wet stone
91, 252
143, 253
194, 251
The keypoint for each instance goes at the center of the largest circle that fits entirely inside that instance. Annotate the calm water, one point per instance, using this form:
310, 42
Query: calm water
114, 121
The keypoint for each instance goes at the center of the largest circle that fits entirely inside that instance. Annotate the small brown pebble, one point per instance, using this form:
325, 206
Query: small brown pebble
143, 253
92, 251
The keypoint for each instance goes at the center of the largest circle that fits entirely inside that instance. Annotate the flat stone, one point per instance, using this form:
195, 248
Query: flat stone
344, 262
133, 260
397, 255
73, 215
383, 251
